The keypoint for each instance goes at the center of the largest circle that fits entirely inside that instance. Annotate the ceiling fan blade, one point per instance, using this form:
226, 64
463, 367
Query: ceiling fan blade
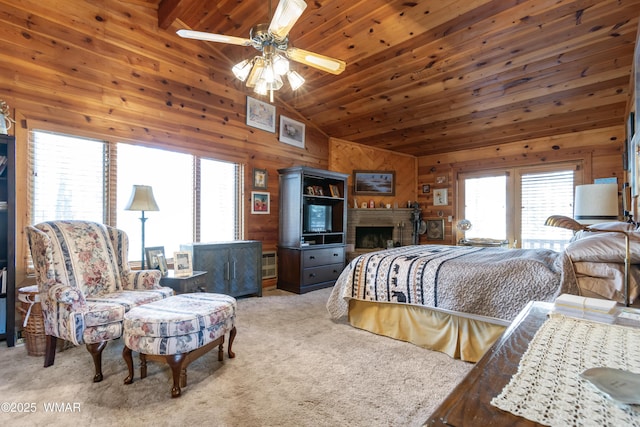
315, 60
210, 37
286, 14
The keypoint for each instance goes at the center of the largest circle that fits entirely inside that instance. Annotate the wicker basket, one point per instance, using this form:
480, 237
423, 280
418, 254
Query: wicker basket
32, 320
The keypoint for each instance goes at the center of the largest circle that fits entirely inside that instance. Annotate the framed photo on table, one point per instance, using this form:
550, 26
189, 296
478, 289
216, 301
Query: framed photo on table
261, 115
162, 264
152, 254
182, 264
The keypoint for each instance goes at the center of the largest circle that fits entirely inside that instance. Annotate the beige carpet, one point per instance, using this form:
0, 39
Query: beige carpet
293, 367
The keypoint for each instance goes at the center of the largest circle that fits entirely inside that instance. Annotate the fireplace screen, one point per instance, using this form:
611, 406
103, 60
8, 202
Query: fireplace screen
373, 237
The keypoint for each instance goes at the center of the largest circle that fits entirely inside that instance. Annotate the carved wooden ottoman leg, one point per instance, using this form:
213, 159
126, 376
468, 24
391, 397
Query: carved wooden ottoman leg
126, 355
221, 350
175, 362
232, 336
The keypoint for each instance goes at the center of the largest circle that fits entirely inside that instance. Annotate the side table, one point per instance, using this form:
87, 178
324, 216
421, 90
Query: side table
196, 282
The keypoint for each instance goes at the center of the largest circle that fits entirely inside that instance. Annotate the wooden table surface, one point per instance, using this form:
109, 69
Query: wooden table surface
469, 403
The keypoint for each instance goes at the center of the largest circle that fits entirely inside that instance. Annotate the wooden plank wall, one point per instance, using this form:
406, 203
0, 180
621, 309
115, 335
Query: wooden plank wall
103, 69
601, 153
345, 156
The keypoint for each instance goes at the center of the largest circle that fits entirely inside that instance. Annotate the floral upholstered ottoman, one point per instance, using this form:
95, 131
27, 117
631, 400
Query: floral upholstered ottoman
178, 330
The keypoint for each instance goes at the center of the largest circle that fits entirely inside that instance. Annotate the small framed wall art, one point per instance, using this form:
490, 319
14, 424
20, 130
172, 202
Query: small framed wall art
259, 179
440, 197
261, 115
260, 202
291, 132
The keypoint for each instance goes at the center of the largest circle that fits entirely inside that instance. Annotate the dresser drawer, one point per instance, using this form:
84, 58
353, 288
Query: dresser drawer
317, 257
325, 273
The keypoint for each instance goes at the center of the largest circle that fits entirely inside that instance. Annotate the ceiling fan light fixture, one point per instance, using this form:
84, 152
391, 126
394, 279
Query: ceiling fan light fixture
256, 71
295, 80
260, 87
280, 65
242, 69
285, 16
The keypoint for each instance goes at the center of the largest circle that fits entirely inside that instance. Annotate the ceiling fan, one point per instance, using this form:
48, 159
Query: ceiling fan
264, 72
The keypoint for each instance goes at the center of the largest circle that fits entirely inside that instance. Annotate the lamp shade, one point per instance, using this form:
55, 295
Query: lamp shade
142, 199
596, 203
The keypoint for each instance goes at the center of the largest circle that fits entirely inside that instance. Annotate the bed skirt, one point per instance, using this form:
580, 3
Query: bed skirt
460, 336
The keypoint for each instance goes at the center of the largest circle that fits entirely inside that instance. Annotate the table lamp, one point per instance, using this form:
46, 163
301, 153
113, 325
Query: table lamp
142, 200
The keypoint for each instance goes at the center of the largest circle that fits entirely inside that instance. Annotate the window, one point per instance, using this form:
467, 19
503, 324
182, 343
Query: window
513, 204
68, 178
544, 194
170, 175
199, 199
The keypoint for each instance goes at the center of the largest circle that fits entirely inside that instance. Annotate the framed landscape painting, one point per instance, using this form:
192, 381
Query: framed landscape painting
374, 183
261, 115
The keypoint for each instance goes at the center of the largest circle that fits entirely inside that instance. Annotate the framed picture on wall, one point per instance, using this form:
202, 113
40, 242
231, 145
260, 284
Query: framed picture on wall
291, 132
261, 115
374, 183
260, 202
435, 229
260, 179
440, 197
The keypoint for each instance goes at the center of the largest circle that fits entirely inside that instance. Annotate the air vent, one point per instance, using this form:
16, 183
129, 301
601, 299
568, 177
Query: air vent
269, 265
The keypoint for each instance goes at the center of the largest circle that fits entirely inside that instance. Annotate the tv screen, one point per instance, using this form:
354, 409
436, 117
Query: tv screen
317, 219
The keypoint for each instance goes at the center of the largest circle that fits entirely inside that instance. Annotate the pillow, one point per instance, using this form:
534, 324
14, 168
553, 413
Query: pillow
604, 247
609, 226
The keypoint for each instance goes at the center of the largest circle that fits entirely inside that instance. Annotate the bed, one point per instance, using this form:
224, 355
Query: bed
459, 299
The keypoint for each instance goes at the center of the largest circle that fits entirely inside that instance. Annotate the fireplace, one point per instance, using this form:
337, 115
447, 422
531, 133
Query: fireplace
369, 229
373, 237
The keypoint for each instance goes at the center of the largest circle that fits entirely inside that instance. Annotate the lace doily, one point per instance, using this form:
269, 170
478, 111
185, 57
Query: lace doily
548, 388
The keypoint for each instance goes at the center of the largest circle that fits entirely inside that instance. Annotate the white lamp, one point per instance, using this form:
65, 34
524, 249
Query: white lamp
142, 200
596, 203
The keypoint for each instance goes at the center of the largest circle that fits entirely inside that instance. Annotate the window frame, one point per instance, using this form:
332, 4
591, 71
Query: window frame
513, 215
109, 208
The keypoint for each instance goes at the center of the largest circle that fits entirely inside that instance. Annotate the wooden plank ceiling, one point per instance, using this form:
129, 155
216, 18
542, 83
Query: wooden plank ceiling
426, 77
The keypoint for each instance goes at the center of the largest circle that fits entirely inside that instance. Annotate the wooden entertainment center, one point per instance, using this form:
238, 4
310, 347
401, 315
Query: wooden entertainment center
312, 239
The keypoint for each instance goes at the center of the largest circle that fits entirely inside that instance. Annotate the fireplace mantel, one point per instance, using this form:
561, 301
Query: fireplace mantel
399, 219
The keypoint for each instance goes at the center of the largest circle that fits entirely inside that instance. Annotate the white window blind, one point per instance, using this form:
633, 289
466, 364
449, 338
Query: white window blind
68, 177
220, 188
543, 195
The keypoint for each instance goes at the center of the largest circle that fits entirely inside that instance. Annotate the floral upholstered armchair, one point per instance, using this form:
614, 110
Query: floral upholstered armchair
85, 284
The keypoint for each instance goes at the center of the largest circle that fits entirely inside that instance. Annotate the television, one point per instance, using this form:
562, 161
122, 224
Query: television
317, 219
